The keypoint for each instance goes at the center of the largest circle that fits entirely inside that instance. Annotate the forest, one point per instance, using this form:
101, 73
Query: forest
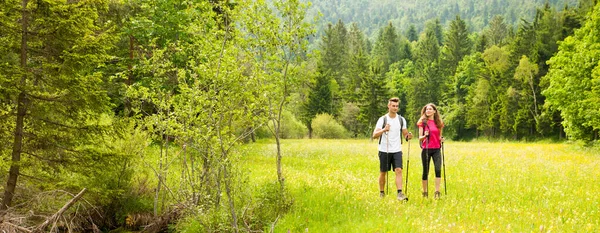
144, 106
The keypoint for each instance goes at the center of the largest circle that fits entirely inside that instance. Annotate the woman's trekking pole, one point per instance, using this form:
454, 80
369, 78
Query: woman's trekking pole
444, 166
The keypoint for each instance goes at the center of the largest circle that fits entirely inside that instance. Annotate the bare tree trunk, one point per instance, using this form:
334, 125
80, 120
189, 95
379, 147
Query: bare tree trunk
279, 157
229, 196
157, 193
226, 178
129, 81
22, 103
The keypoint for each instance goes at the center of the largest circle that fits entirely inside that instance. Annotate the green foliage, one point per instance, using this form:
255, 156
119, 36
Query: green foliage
456, 45
455, 113
573, 81
387, 48
319, 99
373, 100
291, 128
325, 126
334, 47
426, 85
271, 204
497, 31
51, 89
358, 64
373, 15
411, 34
349, 119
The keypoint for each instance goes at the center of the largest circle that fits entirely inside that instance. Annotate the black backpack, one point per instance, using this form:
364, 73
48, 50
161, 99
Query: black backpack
400, 118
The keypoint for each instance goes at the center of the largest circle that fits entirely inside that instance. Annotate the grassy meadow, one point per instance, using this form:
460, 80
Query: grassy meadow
491, 186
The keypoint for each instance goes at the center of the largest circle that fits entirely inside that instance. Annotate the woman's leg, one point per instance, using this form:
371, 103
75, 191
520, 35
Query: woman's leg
425, 160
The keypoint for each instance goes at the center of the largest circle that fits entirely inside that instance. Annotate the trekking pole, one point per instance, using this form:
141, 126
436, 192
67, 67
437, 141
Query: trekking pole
387, 159
444, 166
407, 167
427, 152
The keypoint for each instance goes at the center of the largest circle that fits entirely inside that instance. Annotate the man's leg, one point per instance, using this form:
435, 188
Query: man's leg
382, 181
398, 172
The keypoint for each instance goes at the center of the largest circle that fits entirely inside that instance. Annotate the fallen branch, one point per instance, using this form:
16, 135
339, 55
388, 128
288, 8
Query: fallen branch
57, 215
9, 227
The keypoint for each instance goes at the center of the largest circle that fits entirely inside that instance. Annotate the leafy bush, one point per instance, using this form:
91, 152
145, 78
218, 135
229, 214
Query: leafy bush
325, 126
290, 128
349, 118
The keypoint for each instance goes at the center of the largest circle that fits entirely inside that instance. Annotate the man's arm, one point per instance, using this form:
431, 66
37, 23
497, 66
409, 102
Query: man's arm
378, 132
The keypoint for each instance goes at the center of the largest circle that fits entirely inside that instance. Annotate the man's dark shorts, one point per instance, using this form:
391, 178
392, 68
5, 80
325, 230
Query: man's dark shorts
386, 161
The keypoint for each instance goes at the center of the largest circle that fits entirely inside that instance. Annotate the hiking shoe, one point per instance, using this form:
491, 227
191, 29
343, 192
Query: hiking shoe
425, 194
402, 197
437, 195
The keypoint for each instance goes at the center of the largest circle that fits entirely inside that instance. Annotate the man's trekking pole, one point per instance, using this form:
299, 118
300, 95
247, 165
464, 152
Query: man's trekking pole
387, 159
407, 166
444, 166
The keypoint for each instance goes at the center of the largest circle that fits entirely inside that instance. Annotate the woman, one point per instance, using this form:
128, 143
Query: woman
430, 137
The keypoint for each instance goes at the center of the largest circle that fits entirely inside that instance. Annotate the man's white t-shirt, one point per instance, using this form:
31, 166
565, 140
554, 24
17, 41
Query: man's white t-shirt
394, 134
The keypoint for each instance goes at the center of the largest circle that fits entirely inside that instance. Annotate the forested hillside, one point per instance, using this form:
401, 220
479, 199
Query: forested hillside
143, 106
373, 14
491, 82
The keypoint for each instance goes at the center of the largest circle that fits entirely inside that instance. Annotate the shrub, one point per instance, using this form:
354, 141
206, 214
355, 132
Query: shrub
349, 118
290, 128
324, 126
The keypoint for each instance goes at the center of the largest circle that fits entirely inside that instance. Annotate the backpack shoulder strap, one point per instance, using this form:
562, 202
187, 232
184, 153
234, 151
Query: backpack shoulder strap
383, 126
401, 119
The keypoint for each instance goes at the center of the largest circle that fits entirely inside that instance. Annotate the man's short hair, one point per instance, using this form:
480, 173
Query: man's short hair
394, 99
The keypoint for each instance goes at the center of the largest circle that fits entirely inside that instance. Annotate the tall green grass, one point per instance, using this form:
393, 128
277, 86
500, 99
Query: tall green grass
492, 187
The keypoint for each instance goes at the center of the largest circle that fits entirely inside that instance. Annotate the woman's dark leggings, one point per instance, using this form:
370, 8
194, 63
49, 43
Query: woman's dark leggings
426, 155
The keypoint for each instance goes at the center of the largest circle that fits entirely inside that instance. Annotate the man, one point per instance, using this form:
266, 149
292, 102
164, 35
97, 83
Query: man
388, 130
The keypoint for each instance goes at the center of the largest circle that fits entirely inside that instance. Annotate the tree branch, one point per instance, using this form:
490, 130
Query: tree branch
57, 215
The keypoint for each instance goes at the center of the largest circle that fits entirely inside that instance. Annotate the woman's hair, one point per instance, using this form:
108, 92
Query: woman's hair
436, 116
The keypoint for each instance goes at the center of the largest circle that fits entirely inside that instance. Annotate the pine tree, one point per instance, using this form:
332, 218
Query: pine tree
320, 100
387, 47
456, 46
468, 72
425, 86
51, 84
374, 96
358, 65
411, 33
497, 31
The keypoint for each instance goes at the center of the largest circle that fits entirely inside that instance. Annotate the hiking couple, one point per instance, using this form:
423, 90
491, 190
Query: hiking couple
389, 128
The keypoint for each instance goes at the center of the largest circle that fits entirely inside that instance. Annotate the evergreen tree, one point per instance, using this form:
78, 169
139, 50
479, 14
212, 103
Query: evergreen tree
374, 96
411, 33
425, 86
469, 71
497, 31
547, 29
52, 88
456, 46
333, 62
358, 64
387, 47
436, 27
320, 100
481, 43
